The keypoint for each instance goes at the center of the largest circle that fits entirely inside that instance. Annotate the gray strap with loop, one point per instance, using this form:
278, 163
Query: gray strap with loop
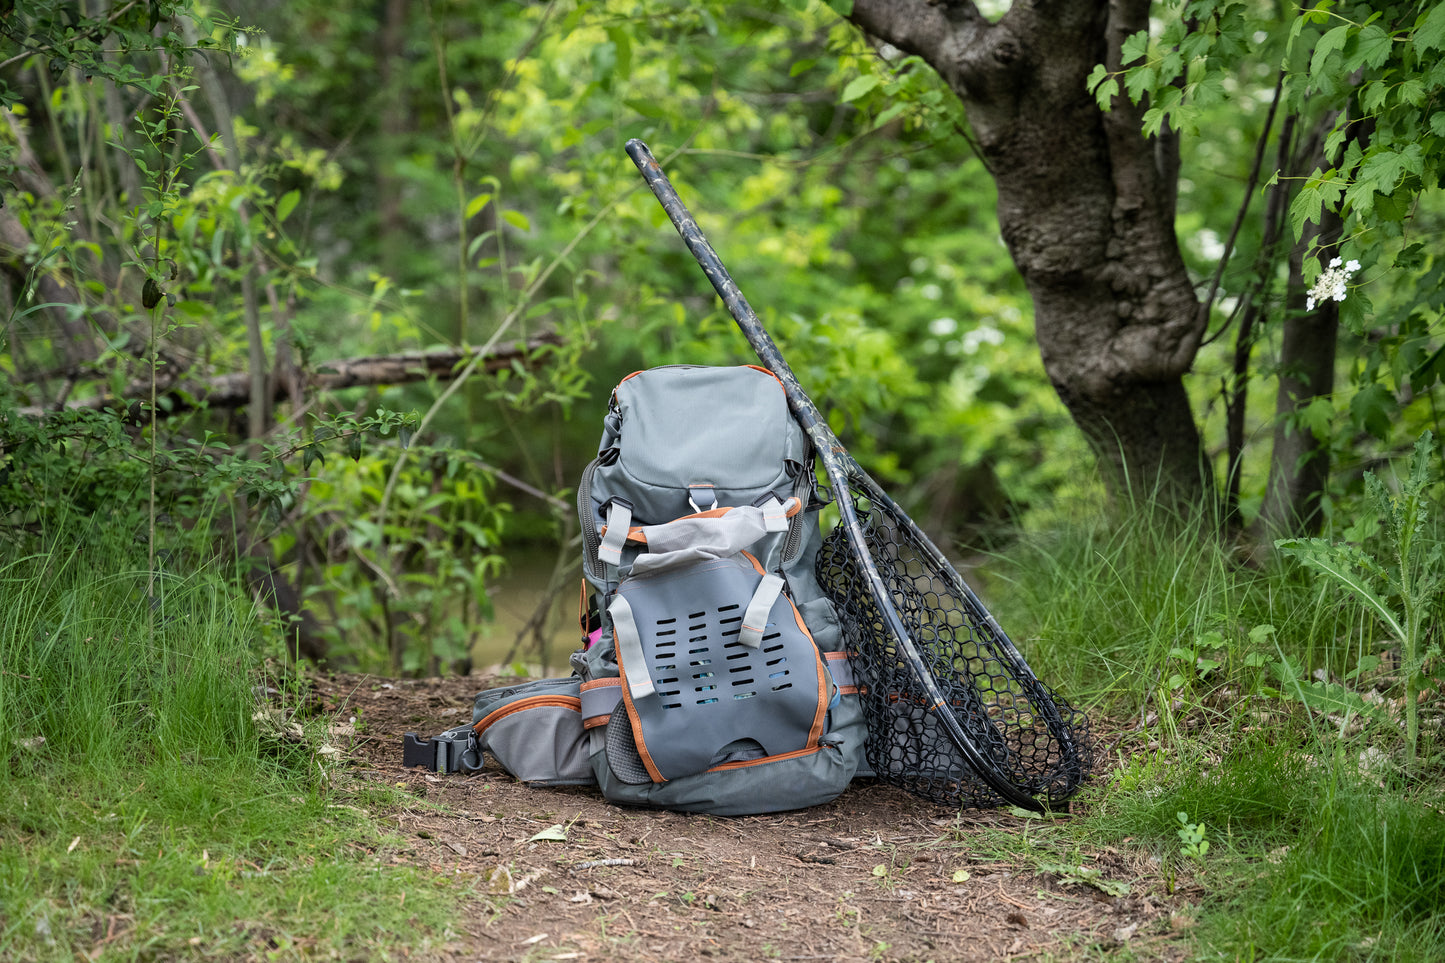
619, 521
775, 514
702, 497
755, 619
629, 648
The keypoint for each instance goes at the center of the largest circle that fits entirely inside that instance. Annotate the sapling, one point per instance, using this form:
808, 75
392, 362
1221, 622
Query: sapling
1401, 590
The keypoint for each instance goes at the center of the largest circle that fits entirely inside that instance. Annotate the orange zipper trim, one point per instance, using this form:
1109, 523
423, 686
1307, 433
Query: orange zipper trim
521, 705
745, 763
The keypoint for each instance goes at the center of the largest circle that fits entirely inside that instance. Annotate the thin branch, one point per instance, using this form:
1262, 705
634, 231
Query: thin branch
1208, 303
234, 390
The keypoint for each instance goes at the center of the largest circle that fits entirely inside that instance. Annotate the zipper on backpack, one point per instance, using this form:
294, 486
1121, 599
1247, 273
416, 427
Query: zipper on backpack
591, 540
803, 490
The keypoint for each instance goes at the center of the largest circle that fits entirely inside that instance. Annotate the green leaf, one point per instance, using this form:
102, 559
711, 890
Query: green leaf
1411, 91
1105, 92
647, 108
1371, 98
857, 87
1430, 32
1139, 81
1260, 634
286, 205
844, 8
1334, 561
1372, 408
620, 38
1332, 41
1304, 207
888, 114
799, 66
1367, 663
1136, 45
1372, 48
517, 219
1317, 417
475, 205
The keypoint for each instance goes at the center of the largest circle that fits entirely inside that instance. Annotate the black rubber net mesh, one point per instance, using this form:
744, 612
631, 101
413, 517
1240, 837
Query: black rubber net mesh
1028, 735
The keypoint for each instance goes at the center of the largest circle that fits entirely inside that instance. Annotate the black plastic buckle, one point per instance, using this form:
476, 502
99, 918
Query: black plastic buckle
418, 752
452, 751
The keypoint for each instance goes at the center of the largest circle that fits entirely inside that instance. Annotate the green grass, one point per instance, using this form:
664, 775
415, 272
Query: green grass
1308, 858
140, 809
1364, 880
1100, 604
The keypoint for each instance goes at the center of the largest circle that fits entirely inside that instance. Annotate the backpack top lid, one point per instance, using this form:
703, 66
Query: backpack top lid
682, 438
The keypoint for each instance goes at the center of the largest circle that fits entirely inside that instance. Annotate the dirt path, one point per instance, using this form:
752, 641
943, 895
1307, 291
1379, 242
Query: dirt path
875, 875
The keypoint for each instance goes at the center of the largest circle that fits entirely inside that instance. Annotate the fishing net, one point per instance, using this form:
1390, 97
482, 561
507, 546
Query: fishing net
1027, 735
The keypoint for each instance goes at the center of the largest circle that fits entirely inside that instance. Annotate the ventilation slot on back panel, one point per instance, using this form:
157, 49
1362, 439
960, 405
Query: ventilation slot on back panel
712, 665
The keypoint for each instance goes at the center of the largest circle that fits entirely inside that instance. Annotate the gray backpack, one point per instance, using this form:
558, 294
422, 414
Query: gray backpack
711, 677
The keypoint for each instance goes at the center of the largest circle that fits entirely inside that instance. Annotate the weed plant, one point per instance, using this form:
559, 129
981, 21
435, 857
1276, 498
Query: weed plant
141, 811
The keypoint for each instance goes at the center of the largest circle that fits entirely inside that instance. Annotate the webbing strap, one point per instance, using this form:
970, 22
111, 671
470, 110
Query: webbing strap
841, 668
619, 520
755, 619
701, 497
599, 698
629, 648
775, 514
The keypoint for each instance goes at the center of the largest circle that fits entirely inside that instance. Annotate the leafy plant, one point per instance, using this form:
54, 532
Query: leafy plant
1402, 587
1192, 841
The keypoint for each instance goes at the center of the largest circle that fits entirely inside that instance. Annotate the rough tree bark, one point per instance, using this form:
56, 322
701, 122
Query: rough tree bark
1086, 206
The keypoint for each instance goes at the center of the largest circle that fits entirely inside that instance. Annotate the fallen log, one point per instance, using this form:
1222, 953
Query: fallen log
234, 390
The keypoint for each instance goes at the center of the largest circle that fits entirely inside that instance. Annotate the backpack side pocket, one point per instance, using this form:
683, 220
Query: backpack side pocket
535, 732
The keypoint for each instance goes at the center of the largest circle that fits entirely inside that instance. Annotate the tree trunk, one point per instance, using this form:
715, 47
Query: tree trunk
1299, 465
393, 120
1086, 208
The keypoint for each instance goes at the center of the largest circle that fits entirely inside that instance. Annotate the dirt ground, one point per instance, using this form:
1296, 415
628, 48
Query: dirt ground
874, 875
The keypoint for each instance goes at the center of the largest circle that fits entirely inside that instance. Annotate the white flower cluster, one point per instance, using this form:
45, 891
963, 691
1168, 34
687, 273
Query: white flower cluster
1331, 282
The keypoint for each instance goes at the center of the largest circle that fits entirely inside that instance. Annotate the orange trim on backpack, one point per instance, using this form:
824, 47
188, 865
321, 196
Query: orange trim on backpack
601, 683
758, 367
521, 705
815, 732
652, 771
755, 367
745, 763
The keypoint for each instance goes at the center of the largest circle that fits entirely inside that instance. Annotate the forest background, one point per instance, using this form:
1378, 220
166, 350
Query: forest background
325, 300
